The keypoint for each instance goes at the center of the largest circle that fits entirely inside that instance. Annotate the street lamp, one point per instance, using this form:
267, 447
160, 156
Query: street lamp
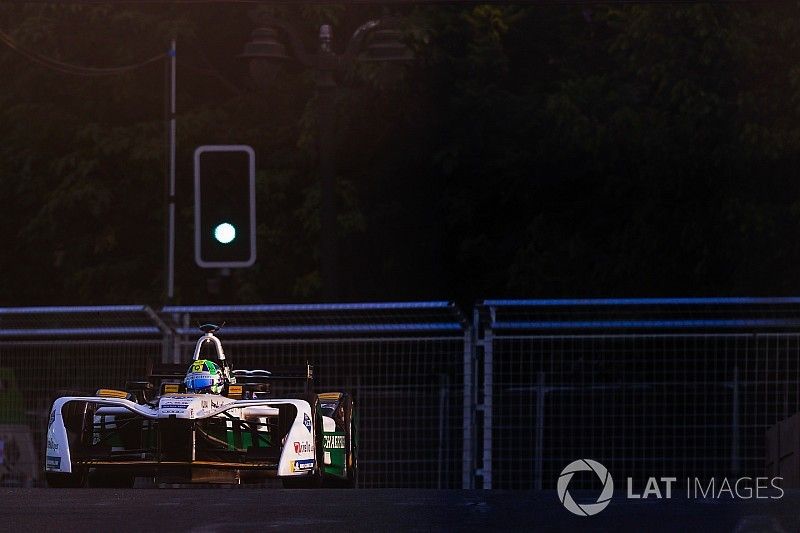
267, 54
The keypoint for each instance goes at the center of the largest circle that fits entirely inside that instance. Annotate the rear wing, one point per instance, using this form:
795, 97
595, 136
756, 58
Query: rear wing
299, 374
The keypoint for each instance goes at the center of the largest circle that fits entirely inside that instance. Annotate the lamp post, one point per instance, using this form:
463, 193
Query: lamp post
267, 52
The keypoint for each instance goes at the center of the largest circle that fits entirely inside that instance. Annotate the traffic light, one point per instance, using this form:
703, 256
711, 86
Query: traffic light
224, 206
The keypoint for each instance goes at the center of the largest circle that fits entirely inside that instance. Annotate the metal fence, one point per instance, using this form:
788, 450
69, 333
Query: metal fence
403, 362
648, 387
48, 351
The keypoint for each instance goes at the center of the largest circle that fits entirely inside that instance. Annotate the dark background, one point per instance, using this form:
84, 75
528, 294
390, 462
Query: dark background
530, 151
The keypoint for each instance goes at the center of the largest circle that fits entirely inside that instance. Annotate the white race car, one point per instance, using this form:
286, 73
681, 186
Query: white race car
158, 429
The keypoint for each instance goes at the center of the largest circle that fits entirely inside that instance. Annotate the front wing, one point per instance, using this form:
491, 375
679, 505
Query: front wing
275, 437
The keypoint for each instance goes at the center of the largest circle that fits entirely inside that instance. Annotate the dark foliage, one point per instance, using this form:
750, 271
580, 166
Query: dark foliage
529, 151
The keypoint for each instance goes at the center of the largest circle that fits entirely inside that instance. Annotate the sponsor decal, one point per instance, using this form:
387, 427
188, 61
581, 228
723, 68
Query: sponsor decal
175, 403
307, 422
204, 404
303, 447
53, 463
334, 441
303, 464
52, 419
51, 444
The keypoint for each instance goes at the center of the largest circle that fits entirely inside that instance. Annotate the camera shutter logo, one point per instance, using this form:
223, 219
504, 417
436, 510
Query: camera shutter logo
585, 509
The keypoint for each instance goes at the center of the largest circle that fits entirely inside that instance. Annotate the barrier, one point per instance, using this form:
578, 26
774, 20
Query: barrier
648, 387
403, 362
48, 350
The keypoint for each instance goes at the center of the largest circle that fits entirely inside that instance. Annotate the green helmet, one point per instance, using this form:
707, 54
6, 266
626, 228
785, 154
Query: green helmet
204, 376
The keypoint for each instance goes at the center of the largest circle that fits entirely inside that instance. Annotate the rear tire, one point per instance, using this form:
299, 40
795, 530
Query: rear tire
351, 447
351, 443
313, 480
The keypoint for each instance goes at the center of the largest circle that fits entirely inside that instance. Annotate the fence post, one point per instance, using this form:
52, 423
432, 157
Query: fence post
444, 436
537, 457
487, 408
468, 467
166, 332
735, 423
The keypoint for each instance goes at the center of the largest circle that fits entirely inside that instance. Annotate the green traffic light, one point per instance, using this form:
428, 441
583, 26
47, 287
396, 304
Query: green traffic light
225, 233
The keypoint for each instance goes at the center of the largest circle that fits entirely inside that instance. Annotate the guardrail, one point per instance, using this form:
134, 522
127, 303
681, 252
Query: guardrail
404, 363
648, 387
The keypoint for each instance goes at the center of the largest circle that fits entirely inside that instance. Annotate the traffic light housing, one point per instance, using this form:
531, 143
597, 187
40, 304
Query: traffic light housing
224, 206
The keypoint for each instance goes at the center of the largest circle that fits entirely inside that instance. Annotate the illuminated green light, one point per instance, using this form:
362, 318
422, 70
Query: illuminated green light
225, 233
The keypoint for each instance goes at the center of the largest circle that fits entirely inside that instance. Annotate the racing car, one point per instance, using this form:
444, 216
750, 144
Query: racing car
210, 424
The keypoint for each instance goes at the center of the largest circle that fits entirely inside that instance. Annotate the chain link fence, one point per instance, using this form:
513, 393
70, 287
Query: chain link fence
648, 387
670, 387
403, 362
46, 352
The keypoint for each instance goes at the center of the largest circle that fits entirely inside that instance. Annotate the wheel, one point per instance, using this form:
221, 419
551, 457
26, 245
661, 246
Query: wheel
79, 422
351, 446
351, 442
57, 480
313, 480
116, 480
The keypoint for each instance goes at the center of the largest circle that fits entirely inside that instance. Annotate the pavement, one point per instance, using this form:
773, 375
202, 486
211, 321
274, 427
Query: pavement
211, 510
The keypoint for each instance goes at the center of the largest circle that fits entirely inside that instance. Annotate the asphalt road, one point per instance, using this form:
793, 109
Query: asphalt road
247, 509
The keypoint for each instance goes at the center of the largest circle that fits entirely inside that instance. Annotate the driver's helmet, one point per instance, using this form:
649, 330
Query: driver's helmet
204, 376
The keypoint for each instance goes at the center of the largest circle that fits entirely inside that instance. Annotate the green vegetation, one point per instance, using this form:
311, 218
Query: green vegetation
529, 151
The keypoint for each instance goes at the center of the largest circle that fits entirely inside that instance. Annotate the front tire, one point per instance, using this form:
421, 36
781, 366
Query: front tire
111, 480
58, 480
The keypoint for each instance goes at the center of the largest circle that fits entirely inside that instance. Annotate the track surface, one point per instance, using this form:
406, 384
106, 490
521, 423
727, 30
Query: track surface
237, 510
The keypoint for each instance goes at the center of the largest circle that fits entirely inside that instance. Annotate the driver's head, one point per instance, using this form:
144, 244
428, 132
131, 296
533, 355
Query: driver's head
204, 376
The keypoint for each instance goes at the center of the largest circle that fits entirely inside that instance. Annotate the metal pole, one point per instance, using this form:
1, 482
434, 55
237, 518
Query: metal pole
443, 434
468, 467
735, 466
488, 379
326, 86
538, 449
171, 171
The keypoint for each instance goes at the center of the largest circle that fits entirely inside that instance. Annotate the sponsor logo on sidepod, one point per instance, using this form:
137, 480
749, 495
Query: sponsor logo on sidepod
303, 464
307, 422
334, 441
53, 463
302, 447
